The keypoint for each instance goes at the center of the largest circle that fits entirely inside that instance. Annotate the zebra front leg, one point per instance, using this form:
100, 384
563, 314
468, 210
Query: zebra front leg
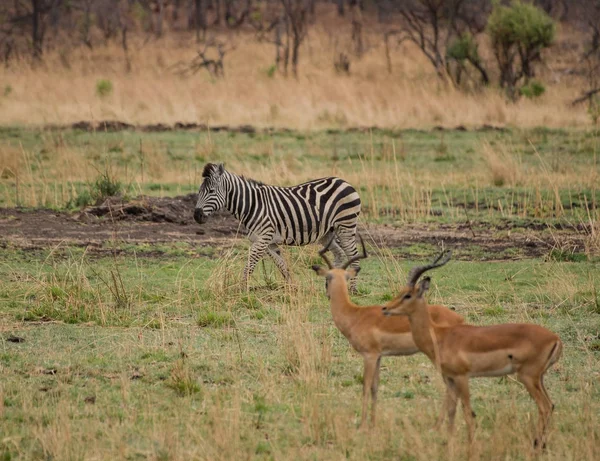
257, 251
275, 254
347, 238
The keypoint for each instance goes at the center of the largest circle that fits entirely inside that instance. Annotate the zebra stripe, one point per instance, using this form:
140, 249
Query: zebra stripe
296, 215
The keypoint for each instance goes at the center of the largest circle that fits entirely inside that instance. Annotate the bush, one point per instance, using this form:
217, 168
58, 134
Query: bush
519, 33
464, 48
104, 88
533, 89
521, 24
105, 185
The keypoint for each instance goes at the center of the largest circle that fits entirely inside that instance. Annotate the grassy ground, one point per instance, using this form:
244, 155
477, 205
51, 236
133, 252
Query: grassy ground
402, 175
137, 357
158, 354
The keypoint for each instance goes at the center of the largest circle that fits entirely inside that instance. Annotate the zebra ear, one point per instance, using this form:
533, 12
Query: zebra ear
221, 168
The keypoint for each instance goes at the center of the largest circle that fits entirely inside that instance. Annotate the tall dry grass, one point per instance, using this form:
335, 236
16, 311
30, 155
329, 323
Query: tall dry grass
63, 90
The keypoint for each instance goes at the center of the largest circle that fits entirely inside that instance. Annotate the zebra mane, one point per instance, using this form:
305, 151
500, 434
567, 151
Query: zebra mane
252, 181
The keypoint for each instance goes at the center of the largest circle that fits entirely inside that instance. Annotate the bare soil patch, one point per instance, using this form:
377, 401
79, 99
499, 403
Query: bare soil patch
152, 220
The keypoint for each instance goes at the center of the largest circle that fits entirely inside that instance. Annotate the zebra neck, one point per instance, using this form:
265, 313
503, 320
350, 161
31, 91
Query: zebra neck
241, 198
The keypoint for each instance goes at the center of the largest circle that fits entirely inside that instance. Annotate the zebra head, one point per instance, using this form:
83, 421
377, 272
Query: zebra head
211, 196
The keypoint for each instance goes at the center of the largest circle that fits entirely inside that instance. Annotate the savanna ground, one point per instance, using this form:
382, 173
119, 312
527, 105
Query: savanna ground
125, 333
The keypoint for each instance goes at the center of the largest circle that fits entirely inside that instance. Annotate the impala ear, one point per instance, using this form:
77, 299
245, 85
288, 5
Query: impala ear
424, 286
319, 270
353, 271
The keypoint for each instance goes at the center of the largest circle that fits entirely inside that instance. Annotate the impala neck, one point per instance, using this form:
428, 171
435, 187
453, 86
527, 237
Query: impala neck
342, 308
422, 329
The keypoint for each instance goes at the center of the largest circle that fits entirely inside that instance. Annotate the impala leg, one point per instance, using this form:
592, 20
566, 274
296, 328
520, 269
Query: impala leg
368, 377
536, 390
450, 404
275, 254
449, 396
462, 388
374, 389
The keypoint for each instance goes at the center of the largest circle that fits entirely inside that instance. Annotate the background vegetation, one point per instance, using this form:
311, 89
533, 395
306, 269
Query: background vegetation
300, 63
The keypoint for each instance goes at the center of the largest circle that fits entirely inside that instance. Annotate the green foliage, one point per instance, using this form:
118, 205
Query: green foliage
104, 87
84, 198
594, 110
521, 24
182, 381
214, 319
271, 70
532, 89
7, 90
519, 33
464, 48
106, 185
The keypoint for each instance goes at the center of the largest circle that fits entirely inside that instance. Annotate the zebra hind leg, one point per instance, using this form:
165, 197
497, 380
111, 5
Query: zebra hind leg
347, 239
275, 254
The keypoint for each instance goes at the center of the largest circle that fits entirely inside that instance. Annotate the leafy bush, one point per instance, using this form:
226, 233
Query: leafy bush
532, 89
521, 24
519, 33
104, 87
464, 48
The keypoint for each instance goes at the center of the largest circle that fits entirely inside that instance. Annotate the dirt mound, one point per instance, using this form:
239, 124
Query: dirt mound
178, 210
117, 125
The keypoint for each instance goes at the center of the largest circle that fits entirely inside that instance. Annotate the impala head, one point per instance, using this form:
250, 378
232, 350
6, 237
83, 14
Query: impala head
211, 196
412, 296
336, 275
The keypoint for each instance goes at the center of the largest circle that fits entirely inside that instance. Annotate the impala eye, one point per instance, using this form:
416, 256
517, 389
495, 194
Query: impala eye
407, 296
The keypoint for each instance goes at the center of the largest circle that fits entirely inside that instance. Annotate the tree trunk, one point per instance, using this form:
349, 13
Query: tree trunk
159, 19
37, 34
125, 47
340, 7
200, 18
295, 49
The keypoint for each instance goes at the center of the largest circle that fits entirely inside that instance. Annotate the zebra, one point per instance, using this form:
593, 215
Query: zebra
315, 211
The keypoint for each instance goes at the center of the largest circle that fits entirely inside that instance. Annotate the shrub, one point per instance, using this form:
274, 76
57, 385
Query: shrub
464, 48
104, 88
106, 185
519, 33
532, 89
182, 381
271, 70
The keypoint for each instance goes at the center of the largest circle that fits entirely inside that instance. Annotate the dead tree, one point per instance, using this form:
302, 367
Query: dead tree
295, 15
210, 57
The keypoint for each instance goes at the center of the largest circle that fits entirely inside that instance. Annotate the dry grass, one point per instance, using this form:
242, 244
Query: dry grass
286, 386
151, 93
407, 177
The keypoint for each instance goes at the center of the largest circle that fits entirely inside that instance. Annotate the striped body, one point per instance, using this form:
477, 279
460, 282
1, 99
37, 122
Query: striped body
297, 215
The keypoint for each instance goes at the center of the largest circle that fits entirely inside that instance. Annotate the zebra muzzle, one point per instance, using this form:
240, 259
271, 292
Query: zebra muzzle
199, 216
